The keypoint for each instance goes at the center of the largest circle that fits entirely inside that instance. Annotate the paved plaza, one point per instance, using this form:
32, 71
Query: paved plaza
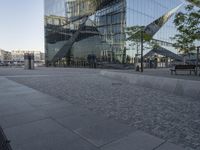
83, 109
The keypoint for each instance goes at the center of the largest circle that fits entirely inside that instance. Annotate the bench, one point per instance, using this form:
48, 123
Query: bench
190, 68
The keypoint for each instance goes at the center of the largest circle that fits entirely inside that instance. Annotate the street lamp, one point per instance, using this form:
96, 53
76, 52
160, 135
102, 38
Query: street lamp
197, 61
111, 46
142, 49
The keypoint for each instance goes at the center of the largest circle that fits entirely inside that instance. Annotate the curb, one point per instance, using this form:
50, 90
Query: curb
179, 87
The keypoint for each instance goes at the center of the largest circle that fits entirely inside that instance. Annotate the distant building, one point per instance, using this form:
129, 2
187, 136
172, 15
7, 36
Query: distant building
18, 55
55, 20
38, 56
5, 56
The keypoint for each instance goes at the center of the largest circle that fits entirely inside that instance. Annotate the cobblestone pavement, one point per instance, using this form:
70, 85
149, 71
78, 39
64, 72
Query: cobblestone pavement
164, 72
170, 117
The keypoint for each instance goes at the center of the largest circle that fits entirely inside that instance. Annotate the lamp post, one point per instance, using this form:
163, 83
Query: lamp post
111, 43
142, 48
197, 61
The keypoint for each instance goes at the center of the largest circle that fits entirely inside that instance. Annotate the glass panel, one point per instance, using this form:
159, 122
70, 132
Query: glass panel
103, 34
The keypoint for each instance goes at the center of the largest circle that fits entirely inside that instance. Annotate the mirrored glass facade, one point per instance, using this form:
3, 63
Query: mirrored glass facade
77, 29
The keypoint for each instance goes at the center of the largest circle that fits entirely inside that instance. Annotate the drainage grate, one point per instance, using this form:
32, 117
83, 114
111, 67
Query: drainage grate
4, 143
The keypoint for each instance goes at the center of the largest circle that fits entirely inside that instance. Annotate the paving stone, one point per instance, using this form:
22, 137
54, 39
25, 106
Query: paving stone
61, 140
104, 132
16, 90
10, 108
78, 121
41, 99
22, 118
19, 134
2, 121
135, 141
63, 110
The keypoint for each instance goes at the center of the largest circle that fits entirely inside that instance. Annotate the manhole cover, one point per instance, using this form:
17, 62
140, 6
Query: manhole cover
4, 143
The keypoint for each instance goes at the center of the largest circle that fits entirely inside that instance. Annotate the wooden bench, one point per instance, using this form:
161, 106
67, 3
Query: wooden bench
190, 68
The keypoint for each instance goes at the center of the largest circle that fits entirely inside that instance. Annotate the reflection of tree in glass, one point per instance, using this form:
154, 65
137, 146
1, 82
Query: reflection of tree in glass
187, 23
195, 2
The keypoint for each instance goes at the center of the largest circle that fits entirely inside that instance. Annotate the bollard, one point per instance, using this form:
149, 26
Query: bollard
28, 61
137, 68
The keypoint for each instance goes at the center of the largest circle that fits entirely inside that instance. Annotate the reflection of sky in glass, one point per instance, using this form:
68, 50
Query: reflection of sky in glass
143, 12
55, 7
138, 12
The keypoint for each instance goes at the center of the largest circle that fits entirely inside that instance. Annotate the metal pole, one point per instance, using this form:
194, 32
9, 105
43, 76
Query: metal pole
142, 47
197, 61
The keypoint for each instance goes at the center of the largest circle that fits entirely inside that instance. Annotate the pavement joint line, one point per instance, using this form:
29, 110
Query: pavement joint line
18, 113
127, 136
34, 90
160, 145
116, 140
28, 123
74, 132
22, 76
47, 75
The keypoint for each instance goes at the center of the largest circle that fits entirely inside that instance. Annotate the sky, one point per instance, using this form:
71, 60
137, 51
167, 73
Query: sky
21, 25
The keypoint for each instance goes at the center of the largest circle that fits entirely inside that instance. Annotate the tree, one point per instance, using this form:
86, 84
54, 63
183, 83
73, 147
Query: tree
134, 36
137, 36
188, 26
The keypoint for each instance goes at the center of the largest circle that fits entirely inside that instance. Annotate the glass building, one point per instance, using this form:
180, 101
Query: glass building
78, 30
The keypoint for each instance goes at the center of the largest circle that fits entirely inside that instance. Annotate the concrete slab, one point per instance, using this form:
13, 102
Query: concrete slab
34, 98
62, 110
135, 141
175, 86
9, 108
25, 116
17, 96
169, 146
64, 140
20, 134
22, 118
6, 83
2, 121
104, 132
15, 90
78, 121
42, 99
